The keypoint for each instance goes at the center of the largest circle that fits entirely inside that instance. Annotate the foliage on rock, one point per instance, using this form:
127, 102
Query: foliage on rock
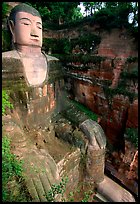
132, 135
5, 102
12, 180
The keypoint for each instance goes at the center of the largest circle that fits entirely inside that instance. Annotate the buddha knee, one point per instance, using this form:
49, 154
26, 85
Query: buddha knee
95, 158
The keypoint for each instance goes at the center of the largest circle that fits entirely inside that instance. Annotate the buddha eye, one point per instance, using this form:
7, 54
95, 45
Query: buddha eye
25, 23
39, 26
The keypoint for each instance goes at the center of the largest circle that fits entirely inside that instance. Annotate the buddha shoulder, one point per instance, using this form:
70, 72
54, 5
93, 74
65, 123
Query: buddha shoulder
11, 61
11, 54
50, 58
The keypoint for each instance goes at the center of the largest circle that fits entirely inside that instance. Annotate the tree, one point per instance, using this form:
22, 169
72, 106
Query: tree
91, 7
58, 12
5, 9
87, 7
135, 13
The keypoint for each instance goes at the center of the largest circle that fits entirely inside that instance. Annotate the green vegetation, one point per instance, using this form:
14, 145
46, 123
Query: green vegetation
132, 135
132, 59
84, 192
80, 59
110, 92
60, 190
56, 44
57, 189
86, 110
129, 75
5, 102
113, 15
57, 12
123, 86
5, 9
6, 41
12, 180
86, 43
87, 196
60, 15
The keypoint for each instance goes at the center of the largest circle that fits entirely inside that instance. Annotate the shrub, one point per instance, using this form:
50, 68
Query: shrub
11, 170
132, 135
57, 189
12, 180
5, 102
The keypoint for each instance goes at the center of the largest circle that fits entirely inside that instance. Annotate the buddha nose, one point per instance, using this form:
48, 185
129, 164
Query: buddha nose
34, 32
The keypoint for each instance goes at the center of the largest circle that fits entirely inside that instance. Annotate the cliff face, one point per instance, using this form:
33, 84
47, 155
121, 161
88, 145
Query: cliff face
117, 43
118, 112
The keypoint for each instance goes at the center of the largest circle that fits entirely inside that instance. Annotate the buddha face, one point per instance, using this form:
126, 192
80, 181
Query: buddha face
27, 29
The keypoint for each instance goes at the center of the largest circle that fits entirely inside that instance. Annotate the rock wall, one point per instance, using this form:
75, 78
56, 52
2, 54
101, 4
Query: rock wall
114, 119
117, 43
86, 86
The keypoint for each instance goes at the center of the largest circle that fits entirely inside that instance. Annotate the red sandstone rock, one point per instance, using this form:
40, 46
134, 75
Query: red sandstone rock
133, 115
120, 102
106, 64
106, 52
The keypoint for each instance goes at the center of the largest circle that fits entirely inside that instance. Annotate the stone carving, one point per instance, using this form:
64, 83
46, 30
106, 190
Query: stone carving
95, 164
95, 134
25, 76
95, 150
29, 76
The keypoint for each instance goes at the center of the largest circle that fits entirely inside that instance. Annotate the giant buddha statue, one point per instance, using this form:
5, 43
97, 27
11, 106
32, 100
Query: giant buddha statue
34, 83
26, 67
32, 93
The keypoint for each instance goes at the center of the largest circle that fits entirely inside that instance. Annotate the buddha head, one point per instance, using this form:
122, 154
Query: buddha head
25, 25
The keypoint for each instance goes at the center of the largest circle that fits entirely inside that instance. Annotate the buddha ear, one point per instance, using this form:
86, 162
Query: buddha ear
12, 29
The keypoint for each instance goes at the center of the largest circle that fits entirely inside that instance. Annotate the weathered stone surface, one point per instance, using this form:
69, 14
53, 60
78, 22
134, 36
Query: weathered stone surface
73, 114
45, 165
117, 46
39, 168
94, 133
69, 167
113, 120
33, 108
120, 166
37, 103
133, 172
107, 188
64, 130
95, 164
95, 157
110, 44
132, 121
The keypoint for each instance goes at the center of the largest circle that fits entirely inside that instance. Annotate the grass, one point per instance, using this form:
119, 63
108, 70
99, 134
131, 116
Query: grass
86, 110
